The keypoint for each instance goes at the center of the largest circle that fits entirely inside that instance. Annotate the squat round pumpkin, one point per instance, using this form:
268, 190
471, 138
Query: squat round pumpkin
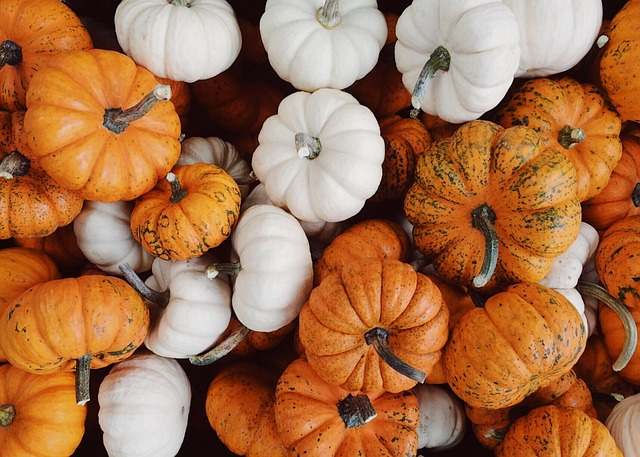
623, 425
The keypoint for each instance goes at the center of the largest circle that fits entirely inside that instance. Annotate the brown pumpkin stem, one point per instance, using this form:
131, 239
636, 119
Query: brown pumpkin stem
309, 147
635, 195
440, 59
356, 410
630, 330
14, 164
569, 136
379, 338
226, 346
483, 219
10, 53
177, 191
117, 120
216, 269
7, 414
328, 15
83, 374
157, 298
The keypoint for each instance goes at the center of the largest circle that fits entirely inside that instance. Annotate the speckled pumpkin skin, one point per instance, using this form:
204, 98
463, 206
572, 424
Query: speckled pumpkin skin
363, 296
523, 339
309, 424
189, 228
12, 132
553, 431
614, 334
531, 189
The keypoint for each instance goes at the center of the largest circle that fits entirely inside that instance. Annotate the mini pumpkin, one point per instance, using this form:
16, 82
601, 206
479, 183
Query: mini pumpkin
620, 331
623, 425
22, 268
442, 422
61, 246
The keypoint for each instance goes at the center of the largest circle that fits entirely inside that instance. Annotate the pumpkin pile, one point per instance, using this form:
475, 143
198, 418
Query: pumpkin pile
320, 228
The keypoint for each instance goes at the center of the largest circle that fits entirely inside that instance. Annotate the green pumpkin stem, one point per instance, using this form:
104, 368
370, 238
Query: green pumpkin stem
7, 414
483, 219
160, 299
379, 338
308, 147
328, 15
177, 191
216, 269
10, 53
439, 60
14, 164
117, 120
83, 375
635, 195
569, 136
220, 350
630, 330
356, 410
602, 41
186, 3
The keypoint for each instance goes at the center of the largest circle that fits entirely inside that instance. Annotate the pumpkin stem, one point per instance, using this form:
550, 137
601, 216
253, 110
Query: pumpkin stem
483, 219
219, 351
308, 146
83, 374
328, 15
216, 269
440, 59
602, 41
630, 330
117, 120
356, 410
157, 298
569, 136
7, 414
177, 191
14, 164
635, 195
186, 3
250, 179
379, 338
10, 53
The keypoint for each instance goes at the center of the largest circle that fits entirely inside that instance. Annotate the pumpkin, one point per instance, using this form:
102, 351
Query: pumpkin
38, 414
564, 32
220, 153
623, 425
374, 325
188, 213
320, 156
249, 428
34, 32
438, 128
61, 246
492, 200
621, 197
405, 140
97, 124
88, 322
558, 432
442, 421
22, 268
155, 426
596, 368
575, 119
180, 97
620, 331
451, 65
523, 339
252, 51
258, 341
322, 43
317, 419
12, 136
104, 237
183, 40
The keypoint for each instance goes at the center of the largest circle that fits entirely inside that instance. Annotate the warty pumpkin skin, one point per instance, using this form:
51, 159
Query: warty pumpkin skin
97, 124
485, 177
572, 118
316, 419
614, 339
61, 246
38, 414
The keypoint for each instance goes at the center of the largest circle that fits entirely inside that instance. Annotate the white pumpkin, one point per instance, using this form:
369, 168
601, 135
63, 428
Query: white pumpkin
322, 43
144, 406
624, 425
556, 34
463, 53
221, 153
198, 309
104, 237
321, 156
183, 40
442, 422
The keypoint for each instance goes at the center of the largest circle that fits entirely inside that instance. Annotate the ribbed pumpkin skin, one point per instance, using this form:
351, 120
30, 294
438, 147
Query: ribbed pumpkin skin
21, 268
547, 106
596, 368
309, 424
614, 334
12, 132
366, 295
48, 423
54, 323
190, 227
553, 431
521, 340
248, 427
619, 63
64, 126
530, 188
258, 341
61, 246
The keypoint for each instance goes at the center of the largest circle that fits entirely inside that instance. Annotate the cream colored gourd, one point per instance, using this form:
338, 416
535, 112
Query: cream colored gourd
624, 425
144, 407
104, 237
467, 52
442, 422
322, 43
182, 40
556, 34
321, 156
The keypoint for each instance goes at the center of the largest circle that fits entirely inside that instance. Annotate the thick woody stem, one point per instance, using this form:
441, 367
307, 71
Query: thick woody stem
157, 298
440, 59
83, 374
483, 219
569, 136
216, 269
177, 192
117, 120
7, 414
635, 195
379, 338
14, 164
219, 351
356, 410
329, 14
308, 147
10, 53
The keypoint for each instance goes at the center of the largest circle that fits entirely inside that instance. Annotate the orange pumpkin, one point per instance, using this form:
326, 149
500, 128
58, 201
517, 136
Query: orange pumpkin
374, 326
575, 119
391, 20
32, 33
61, 246
38, 414
12, 132
316, 419
97, 124
616, 340
188, 213
438, 128
258, 341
